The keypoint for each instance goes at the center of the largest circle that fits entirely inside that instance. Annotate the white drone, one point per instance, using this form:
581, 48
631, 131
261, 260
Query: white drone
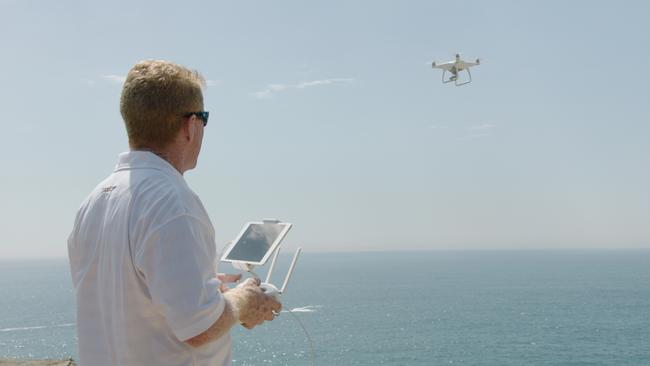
455, 67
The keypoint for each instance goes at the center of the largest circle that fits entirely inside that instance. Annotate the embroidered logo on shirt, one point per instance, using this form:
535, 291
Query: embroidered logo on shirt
108, 189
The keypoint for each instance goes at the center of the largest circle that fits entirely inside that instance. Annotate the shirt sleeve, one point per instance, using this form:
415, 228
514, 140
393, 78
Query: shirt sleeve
179, 273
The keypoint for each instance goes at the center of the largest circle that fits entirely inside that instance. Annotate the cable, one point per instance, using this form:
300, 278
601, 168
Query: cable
312, 353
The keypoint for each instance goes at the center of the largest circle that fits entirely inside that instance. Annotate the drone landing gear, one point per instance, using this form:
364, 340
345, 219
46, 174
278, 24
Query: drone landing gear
455, 79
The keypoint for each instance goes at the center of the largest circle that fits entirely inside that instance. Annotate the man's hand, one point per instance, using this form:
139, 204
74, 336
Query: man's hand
246, 304
251, 304
227, 278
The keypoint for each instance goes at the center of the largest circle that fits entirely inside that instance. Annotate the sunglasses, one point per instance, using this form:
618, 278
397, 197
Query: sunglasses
203, 116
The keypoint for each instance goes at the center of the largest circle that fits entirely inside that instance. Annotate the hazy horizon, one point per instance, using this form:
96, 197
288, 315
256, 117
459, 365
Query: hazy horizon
289, 251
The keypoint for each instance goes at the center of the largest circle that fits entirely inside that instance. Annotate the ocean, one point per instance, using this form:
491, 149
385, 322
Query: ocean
588, 307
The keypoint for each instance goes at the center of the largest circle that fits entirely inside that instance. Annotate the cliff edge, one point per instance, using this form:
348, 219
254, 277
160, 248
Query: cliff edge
11, 362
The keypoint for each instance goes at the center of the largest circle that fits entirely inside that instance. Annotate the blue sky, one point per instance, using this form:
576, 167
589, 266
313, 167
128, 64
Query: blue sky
328, 115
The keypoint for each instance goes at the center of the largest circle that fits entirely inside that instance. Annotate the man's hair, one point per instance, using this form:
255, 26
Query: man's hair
155, 97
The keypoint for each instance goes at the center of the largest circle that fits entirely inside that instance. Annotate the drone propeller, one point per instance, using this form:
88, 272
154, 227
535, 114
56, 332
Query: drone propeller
478, 61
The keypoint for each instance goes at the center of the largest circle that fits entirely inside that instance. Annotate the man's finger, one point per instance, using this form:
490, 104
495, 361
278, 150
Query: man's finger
276, 306
229, 277
250, 282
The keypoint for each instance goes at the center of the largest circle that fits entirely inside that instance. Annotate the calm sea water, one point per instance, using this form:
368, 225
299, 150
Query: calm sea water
417, 308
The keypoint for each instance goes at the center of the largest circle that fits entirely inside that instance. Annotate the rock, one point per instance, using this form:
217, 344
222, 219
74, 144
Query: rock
17, 362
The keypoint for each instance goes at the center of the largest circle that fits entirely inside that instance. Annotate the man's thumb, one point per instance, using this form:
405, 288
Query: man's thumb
250, 282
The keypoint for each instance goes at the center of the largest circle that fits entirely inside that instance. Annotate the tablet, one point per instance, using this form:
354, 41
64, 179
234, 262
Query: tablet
256, 242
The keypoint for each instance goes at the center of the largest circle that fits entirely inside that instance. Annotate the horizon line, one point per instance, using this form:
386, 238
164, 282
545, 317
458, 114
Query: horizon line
540, 249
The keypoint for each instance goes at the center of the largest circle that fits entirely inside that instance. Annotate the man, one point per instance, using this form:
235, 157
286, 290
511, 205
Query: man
142, 249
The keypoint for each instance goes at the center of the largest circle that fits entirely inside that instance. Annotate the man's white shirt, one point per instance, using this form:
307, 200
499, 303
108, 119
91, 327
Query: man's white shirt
142, 256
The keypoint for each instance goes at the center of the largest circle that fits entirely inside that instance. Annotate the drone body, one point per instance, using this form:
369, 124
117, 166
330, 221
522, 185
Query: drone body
455, 67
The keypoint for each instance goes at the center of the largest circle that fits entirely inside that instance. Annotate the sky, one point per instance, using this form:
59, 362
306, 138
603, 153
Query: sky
329, 116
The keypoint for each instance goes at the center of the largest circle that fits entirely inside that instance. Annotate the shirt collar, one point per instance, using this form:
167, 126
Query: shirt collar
139, 159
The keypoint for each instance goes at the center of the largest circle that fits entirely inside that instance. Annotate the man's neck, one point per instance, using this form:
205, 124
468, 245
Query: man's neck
169, 155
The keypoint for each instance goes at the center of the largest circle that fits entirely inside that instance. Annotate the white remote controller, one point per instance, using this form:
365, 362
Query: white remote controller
270, 290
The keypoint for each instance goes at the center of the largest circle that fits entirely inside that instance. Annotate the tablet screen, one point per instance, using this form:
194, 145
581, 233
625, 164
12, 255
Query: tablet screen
256, 242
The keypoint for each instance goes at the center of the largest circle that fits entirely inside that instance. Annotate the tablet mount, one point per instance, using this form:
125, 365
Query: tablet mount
267, 286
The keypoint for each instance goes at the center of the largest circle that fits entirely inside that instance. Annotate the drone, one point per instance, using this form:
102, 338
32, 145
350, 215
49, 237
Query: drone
455, 67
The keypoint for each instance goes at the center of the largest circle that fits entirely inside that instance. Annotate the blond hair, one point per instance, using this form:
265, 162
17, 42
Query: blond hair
155, 97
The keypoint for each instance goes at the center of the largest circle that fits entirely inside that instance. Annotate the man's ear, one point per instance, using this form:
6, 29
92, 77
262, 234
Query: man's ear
189, 132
